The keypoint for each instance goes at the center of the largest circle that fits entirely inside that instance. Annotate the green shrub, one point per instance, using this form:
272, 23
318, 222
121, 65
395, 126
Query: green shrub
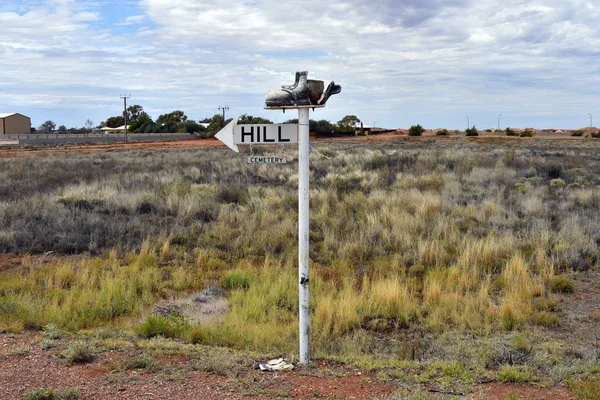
169, 327
217, 362
79, 352
238, 279
49, 394
520, 343
586, 388
561, 284
442, 132
416, 130
232, 194
527, 133
577, 133
50, 331
555, 183
515, 374
140, 361
472, 131
215, 264
596, 135
510, 132
545, 318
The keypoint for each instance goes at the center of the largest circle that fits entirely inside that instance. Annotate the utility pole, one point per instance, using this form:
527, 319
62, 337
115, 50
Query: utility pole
468, 125
125, 97
499, 115
224, 108
590, 119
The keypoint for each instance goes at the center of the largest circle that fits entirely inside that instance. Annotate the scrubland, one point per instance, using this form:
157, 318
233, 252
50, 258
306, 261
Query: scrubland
450, 253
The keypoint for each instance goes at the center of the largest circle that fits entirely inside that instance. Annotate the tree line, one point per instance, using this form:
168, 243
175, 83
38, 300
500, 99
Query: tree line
139, 121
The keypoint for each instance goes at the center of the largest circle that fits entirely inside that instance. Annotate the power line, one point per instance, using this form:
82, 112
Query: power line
224, 108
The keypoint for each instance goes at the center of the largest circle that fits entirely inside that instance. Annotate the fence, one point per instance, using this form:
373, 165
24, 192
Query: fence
63, 138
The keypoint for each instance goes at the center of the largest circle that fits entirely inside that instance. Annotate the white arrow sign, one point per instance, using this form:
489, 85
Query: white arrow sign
265, 134
233, 134
225, 135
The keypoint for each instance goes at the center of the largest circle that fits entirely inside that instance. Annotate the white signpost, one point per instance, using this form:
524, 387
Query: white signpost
303, 95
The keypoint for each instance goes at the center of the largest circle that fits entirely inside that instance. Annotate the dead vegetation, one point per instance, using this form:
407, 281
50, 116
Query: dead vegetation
413, 245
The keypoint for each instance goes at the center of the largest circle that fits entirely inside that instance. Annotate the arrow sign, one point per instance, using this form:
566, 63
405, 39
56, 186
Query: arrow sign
265, 134
233, 134
225, 135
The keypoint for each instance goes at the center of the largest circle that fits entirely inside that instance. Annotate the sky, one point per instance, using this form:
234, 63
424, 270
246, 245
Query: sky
399, 62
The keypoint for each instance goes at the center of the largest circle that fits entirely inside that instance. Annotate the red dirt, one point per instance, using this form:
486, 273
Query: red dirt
501, 391
484, 138
26, 367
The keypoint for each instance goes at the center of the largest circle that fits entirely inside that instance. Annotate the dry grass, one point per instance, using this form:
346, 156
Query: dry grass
442, 237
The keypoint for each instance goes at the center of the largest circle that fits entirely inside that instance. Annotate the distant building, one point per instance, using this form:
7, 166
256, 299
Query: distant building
14, 124
119, 129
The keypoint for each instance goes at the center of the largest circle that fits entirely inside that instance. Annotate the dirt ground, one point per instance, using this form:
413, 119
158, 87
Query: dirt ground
484, 138
25, 366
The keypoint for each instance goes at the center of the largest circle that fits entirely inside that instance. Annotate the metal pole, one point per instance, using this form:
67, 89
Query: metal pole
224, 108
590, 119
303, 233
499, 115
125, 97
468, 125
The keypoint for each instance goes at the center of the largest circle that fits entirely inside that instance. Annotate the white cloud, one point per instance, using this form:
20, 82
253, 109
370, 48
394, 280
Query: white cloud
397, 61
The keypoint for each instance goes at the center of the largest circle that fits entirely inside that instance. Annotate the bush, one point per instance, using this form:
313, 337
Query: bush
596, 135
472, 131
510, 132
232, 194
527, 133
49, 394
238, 279
140, 361
577, 133
586, 388
50, 331
416, 130
170, 327
442, 132
218, 362
513, 374
561, 284
79, 352
545, 318
556, 183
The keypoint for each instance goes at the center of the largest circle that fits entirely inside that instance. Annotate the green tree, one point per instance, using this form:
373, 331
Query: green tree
115, 122
47, 126
171, 122
176, 116
142, 124
348, 123
416, 130
190, 126
472, 131
321, 126
249, 119
133, 112
62, 129
215, 124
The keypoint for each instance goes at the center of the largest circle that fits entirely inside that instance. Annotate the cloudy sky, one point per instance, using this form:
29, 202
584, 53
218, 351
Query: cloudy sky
399, 62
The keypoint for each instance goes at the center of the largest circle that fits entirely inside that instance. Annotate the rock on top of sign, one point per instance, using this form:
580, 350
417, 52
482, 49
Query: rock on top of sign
302, 93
